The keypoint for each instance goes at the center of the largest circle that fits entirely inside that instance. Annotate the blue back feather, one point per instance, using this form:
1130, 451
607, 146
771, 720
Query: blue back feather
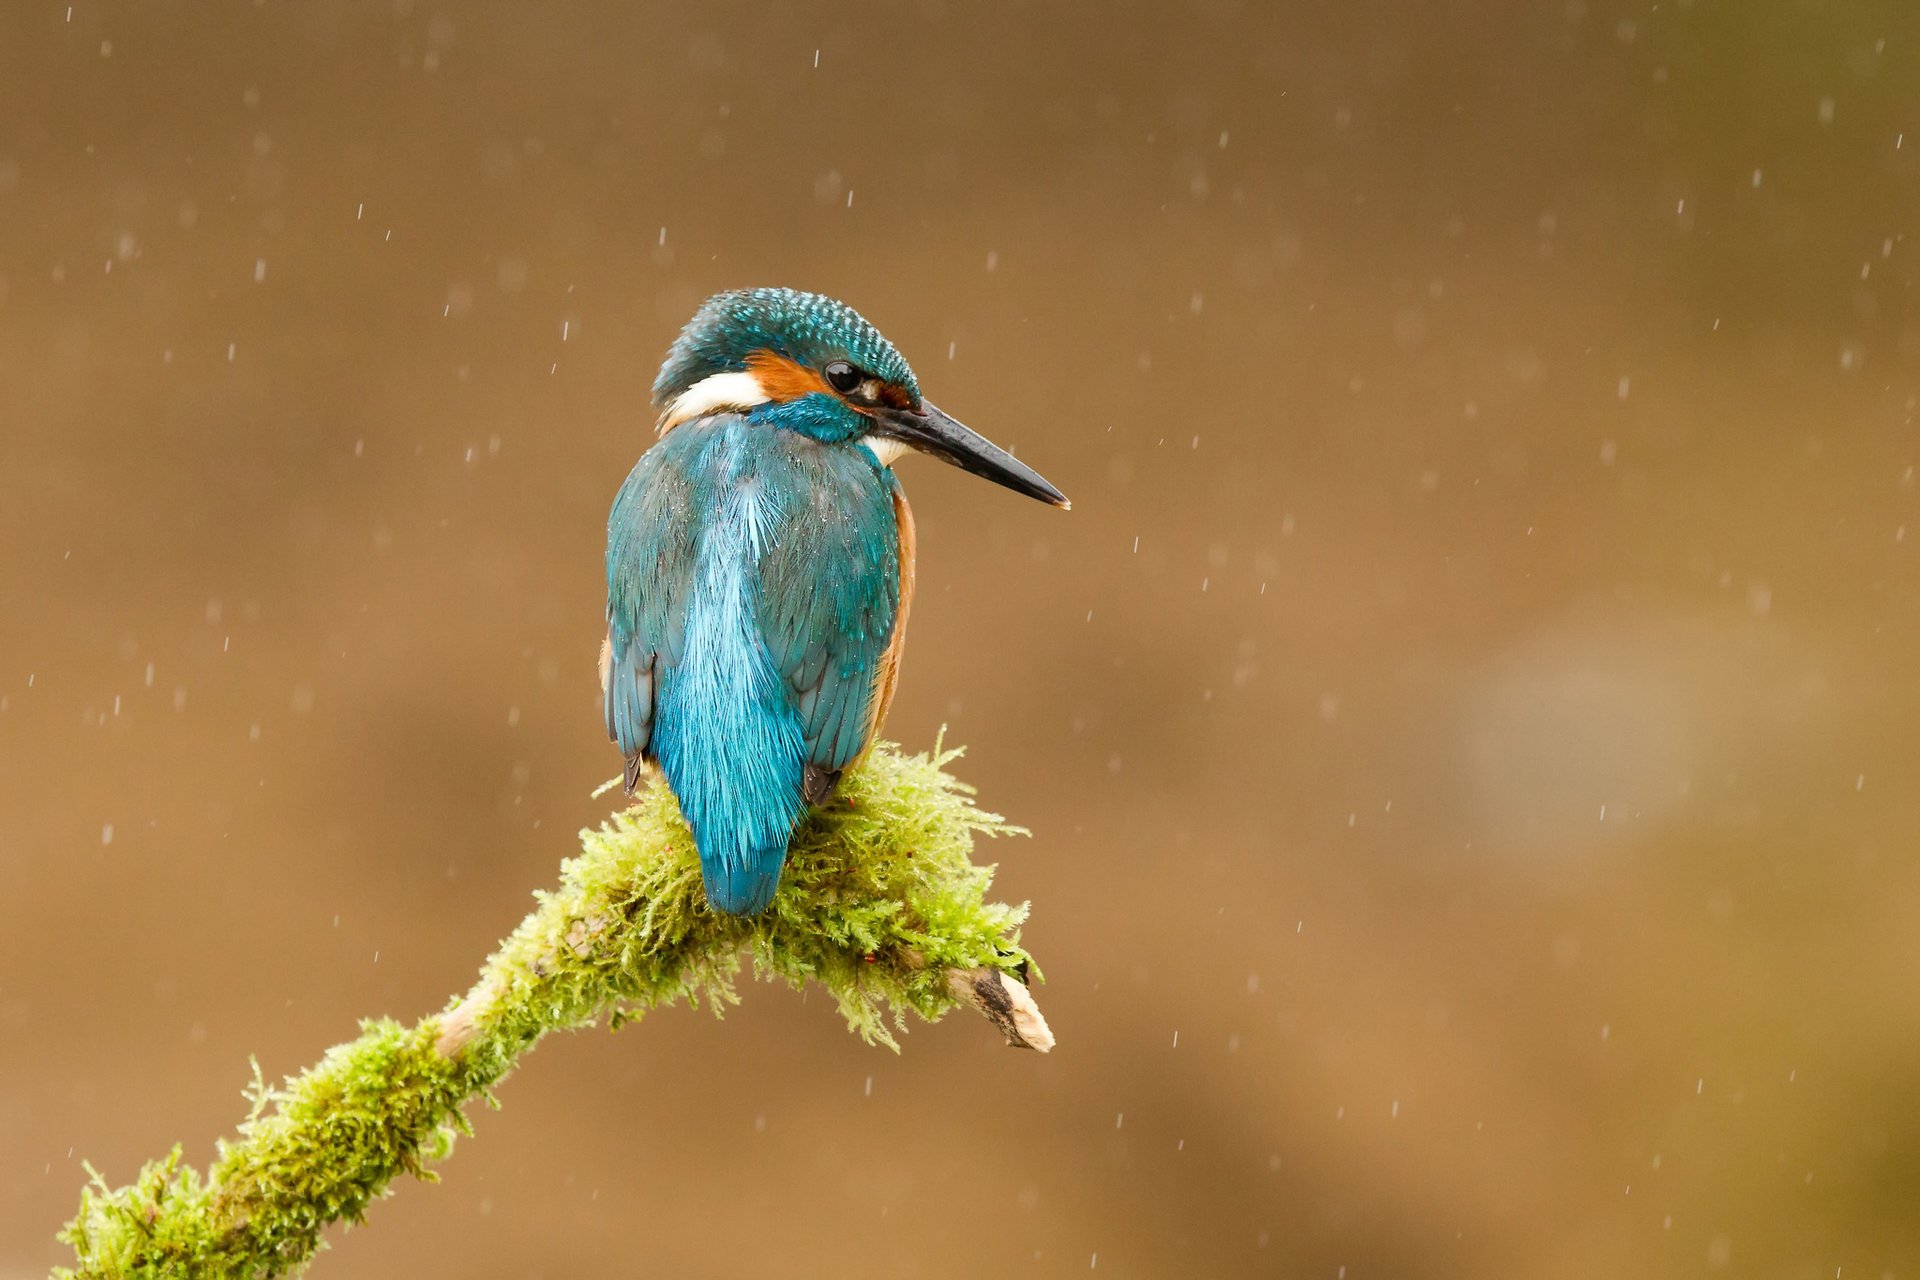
753, 582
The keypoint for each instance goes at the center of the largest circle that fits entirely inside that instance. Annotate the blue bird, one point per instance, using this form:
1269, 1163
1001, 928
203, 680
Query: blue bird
760, 567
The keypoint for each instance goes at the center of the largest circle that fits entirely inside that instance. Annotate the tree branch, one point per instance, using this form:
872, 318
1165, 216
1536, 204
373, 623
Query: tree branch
880, 904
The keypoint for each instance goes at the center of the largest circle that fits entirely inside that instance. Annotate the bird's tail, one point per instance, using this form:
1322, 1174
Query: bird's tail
741, 882
742, 818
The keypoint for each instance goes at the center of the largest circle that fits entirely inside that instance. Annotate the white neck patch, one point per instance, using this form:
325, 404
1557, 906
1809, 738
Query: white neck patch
713, 394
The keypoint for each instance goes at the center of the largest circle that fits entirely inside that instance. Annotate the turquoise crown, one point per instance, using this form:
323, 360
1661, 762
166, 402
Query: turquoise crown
808, 328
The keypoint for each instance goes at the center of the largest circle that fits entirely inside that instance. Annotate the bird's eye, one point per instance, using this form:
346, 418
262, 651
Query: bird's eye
843, 377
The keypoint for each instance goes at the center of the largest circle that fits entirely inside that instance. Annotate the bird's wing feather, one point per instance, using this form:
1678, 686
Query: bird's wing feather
650, 551
830, 598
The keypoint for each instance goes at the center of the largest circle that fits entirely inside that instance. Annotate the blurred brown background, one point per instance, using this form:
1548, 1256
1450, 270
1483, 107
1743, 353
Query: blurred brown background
1468, 720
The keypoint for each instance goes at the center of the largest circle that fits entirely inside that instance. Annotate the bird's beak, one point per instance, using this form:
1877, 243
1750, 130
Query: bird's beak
931, 431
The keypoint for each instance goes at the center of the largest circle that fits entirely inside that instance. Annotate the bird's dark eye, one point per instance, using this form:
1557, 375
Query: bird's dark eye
843, 377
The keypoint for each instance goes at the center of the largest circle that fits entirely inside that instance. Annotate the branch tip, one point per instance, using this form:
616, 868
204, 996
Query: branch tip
1006, 1003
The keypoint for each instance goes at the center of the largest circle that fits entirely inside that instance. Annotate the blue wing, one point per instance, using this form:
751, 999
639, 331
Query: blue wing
650, 552
829, 601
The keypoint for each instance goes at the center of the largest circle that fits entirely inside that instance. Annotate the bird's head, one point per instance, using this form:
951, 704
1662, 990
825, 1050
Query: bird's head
804, 362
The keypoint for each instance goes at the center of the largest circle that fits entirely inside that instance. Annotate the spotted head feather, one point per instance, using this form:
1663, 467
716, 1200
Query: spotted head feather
808, 329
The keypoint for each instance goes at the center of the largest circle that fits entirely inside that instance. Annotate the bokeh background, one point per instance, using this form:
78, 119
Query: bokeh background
1467, 721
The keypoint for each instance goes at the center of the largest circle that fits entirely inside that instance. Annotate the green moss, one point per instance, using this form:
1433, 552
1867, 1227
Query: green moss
880, 898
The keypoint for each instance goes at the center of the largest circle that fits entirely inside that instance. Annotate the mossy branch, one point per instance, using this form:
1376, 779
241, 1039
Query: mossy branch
880, 904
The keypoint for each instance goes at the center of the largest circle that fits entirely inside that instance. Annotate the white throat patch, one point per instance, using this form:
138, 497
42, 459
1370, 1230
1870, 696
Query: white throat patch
713, 394
885, 448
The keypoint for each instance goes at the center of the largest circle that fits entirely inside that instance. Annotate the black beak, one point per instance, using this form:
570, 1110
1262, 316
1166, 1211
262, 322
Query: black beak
931, 431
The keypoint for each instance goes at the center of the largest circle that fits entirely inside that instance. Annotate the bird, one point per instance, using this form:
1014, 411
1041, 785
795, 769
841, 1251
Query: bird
760, 570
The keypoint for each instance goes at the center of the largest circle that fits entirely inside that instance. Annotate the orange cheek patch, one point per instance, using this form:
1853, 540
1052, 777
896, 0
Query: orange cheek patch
782, 379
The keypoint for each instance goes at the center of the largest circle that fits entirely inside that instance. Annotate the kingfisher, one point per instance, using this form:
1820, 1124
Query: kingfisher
760, 568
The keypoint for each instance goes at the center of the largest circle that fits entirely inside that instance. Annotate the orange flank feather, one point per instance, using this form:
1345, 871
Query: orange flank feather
888, 674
